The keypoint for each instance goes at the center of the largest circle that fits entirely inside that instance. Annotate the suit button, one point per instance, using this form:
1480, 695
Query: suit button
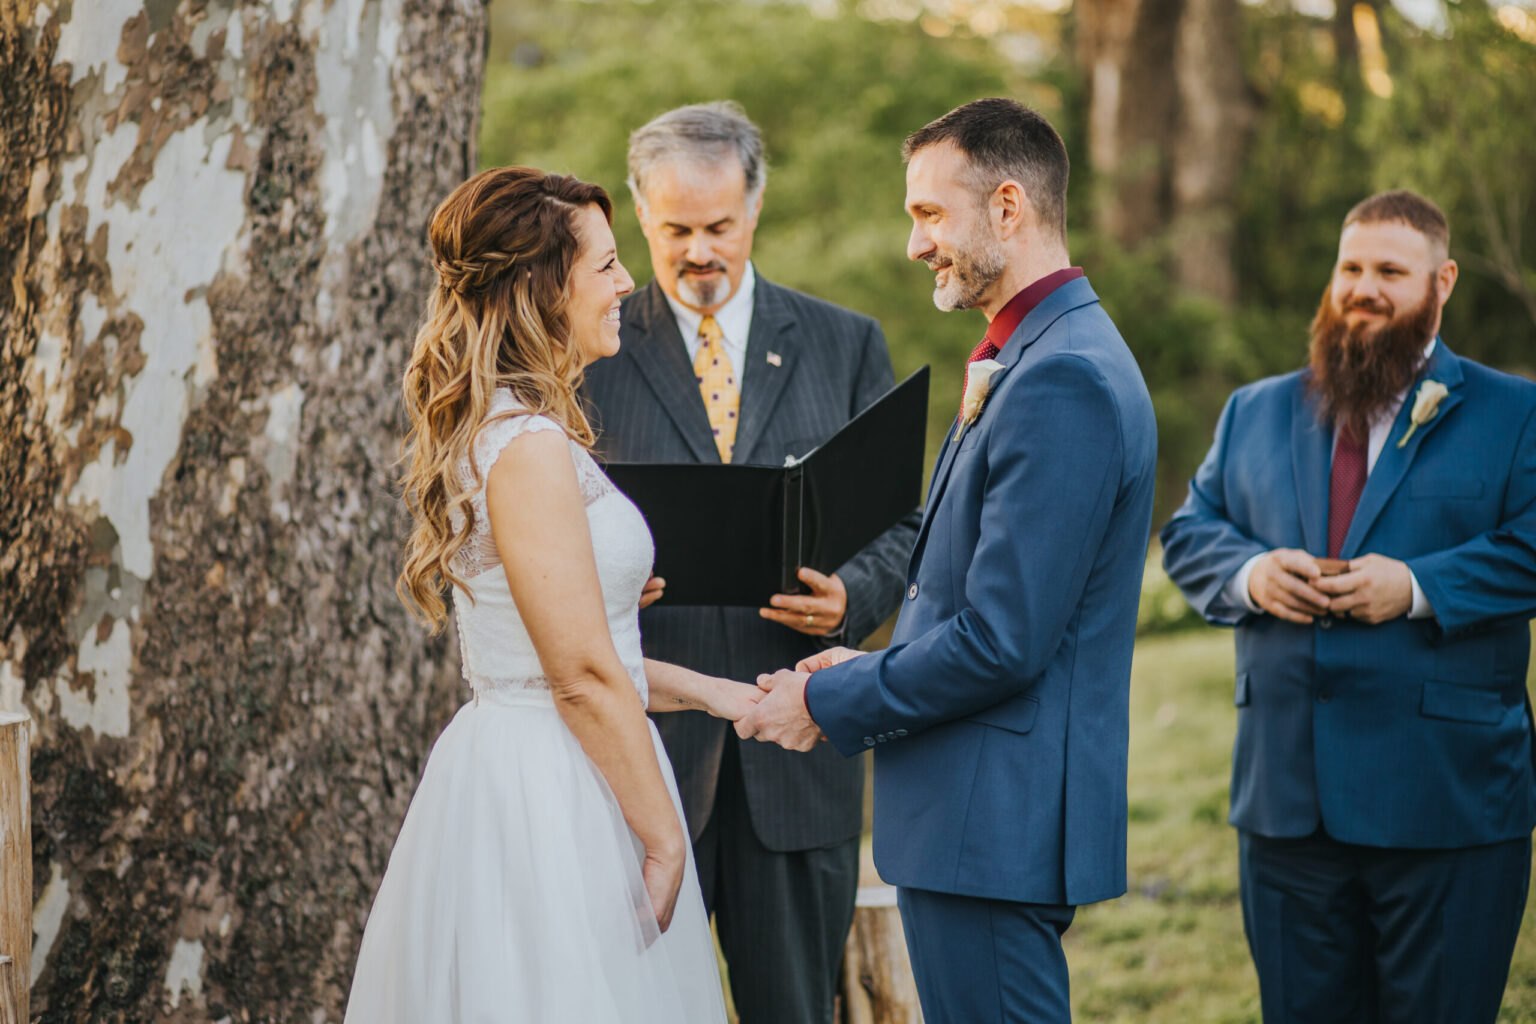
1325, 622
912, 592
869, 741
1324, 697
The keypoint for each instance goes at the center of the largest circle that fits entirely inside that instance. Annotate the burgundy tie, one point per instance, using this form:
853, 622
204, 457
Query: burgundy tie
1344, 487
985, 350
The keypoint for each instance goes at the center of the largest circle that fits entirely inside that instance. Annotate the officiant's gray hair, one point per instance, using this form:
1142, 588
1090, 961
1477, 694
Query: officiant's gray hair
705, 132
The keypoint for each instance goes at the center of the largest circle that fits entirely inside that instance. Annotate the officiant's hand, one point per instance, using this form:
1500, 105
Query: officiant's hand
826, 659
781, 717
652, 592
815, 614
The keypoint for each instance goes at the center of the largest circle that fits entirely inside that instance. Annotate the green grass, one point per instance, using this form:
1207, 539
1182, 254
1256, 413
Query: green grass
1172, 949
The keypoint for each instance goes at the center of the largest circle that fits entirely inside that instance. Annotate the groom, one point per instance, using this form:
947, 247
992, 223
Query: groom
998, 715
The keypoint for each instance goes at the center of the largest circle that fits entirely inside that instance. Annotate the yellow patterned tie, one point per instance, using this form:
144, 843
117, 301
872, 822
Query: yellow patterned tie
722, 399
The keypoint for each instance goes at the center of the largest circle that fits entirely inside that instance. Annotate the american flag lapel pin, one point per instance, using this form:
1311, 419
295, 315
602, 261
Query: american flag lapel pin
774, 359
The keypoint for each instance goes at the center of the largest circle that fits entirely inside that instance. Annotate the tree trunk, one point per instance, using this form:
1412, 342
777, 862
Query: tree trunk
1167, 149
878, 987
1217, 117
1133, 106
213, 233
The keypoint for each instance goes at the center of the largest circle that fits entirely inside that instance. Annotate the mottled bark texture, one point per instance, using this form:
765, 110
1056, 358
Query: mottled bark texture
214, 235
1169, 118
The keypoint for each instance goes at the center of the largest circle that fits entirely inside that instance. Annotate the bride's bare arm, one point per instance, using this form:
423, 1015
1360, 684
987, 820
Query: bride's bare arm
675, 688
539, 523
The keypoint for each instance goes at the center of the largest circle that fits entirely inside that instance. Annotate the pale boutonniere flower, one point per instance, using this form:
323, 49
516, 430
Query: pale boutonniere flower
1425, 404
978, 385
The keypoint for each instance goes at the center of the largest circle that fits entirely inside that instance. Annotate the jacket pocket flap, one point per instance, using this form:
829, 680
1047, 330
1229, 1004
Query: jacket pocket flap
1462, 703
1431, 487
1016, 714
1240, 698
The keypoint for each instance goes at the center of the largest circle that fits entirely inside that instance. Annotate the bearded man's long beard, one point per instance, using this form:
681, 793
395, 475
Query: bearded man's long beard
1359, 372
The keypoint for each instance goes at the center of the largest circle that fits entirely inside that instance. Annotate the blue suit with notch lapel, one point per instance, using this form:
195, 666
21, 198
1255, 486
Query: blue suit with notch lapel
1411, 734
998, 715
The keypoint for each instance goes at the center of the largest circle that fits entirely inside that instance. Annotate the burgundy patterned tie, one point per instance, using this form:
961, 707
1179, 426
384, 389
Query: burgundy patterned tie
985, 350
1344, 487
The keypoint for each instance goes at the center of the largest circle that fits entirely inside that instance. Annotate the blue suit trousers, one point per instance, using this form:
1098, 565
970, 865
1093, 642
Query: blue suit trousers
1347, 934
985, 961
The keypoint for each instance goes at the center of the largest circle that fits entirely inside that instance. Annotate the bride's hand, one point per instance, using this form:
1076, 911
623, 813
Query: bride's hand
662, 872
731, 700
654, 587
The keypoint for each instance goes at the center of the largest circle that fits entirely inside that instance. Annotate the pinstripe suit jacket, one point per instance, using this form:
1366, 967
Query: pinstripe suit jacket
646, 406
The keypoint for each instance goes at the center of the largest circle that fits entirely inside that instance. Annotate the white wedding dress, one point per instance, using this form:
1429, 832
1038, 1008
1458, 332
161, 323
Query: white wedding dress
513, 893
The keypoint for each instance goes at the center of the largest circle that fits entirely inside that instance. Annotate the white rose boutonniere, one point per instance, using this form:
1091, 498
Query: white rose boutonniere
978, 385
1425, 404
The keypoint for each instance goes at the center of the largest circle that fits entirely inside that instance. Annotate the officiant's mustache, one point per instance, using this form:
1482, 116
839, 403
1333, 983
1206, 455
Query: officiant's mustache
689, 267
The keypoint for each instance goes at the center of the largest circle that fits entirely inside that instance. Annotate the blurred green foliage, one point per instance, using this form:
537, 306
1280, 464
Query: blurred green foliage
835, 93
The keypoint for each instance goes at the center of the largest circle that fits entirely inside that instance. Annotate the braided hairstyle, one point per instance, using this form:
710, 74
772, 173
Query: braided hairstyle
503, 245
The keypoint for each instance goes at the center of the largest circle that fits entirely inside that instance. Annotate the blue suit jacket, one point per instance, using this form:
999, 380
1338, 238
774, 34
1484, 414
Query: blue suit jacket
999, 712
1409, 733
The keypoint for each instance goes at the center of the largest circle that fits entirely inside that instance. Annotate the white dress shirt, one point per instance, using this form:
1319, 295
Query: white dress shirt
1381, 425
734, 318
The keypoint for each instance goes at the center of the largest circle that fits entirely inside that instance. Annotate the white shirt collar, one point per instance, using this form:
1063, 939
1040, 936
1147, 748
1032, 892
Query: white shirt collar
734, 318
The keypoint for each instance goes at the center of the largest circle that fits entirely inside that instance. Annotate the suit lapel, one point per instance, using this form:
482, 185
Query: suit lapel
1060, 302
940, 473
762, 380
1311, 458
1393, 462
658, 352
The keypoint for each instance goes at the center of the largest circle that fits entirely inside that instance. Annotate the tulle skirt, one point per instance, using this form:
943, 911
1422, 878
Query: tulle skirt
513, 893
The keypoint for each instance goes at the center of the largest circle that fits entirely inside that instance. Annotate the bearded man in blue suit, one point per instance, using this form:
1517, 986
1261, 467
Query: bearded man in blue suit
1381, 779
998, 716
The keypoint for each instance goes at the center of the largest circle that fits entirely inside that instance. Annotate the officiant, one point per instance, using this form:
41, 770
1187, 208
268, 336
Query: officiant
719, 365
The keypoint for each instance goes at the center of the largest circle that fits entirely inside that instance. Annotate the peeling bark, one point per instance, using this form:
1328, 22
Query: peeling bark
213, 228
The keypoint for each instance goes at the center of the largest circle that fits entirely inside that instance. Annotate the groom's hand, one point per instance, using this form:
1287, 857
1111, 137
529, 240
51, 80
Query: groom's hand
781, 716
826, 659
815, 614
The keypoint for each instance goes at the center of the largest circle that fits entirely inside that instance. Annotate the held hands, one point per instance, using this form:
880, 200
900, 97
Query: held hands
732, 701
826, 659
1289, 584
815, 614
781, 717
652, 591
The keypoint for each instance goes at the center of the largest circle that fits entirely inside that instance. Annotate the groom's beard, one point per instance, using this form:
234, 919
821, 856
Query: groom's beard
973, 268
1358, 372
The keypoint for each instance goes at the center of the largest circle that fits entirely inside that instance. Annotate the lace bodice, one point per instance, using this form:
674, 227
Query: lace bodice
496, 651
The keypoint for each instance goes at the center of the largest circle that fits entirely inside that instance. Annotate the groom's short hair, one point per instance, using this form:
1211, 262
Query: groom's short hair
1004, 140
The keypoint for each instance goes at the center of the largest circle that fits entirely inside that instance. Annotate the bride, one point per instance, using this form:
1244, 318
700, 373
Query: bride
542, 873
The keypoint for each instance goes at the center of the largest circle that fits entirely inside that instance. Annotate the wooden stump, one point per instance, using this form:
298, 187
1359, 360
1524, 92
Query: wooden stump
15, 869
877, 975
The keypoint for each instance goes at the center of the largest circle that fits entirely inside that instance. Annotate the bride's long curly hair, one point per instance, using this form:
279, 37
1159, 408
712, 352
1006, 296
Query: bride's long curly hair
503, 245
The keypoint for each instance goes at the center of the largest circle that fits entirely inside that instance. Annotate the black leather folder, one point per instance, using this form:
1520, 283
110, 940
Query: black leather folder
736, 535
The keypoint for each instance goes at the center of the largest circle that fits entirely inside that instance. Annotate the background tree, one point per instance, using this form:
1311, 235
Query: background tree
1169, 113
213, 238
